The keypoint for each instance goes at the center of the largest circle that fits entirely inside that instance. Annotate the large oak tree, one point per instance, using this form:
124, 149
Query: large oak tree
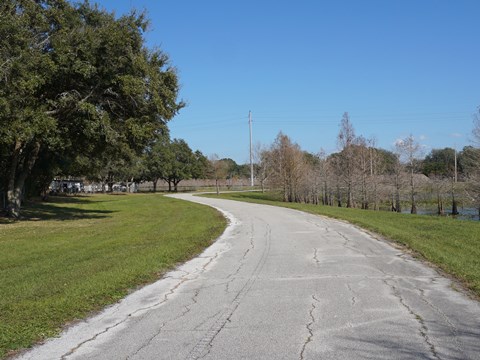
76, 80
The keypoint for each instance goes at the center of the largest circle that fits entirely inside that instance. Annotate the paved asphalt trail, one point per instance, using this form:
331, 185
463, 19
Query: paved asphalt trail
281, 284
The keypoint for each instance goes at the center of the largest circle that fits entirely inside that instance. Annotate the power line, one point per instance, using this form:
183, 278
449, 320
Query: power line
251, 150
232, 121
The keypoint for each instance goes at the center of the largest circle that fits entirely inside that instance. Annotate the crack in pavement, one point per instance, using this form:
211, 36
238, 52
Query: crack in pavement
398, 257
183, 279
423, 330
353, 299
242, 260
185, 311
324, 227
309, 327
348, 241
450, 324
212, 258
171, 291
208, 318
315, 256
204, 346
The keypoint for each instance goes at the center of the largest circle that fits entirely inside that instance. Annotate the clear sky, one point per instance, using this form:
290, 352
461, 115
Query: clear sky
398, 67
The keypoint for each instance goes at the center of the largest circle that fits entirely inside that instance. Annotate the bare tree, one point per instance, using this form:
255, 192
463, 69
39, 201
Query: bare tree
336, 164
324, 172
313, 179
409, 150
375, 164
218, 170
476, 128
453, 191
263, 164
439, 186
288, 166
346, 142
363, 154
397, 177
473, 158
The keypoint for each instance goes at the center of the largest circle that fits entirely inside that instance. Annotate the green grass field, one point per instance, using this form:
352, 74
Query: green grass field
72, 256
453, 245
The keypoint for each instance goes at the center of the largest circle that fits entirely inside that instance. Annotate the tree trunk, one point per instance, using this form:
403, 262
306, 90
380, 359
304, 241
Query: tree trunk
413, 210
454, 201
339, 197
364, 190
14, 202
454, 207
129, 185
375, 191
175, 185
18, 176
216, 186
349, 197
155, 185
398, 206
324, 194
440, 205
13, 198
364, 194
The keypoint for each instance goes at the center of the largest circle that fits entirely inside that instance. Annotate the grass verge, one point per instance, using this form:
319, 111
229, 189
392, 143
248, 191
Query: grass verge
73, 256
452, 245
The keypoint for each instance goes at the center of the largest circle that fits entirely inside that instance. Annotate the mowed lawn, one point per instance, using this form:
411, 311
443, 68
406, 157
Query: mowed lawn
453, 245
72, 256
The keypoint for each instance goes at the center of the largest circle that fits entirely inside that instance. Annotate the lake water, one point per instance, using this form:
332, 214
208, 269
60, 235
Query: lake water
466, 213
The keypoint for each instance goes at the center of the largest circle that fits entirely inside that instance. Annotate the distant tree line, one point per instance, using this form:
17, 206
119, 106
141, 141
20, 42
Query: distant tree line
364, 176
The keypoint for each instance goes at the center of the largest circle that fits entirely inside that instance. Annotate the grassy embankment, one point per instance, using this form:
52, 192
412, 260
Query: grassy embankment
453, 245
73, 256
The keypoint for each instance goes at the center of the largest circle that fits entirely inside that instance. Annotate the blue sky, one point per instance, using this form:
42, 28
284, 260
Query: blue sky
398, 67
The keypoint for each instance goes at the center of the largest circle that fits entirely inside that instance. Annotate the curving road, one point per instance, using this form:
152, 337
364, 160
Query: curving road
282, 284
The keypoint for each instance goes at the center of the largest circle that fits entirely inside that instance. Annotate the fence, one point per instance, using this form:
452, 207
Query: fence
198, 185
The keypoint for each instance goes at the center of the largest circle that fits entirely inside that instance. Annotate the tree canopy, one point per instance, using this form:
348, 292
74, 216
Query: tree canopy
76, 81
172, 161
440, 162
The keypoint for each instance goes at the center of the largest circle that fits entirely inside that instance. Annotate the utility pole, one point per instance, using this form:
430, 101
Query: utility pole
455, 163
454, 201
251, 150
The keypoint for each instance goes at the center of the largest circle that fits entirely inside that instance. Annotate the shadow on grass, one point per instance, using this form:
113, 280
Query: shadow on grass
39, 212
44, 211
48, 211
70, 199
64, 199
